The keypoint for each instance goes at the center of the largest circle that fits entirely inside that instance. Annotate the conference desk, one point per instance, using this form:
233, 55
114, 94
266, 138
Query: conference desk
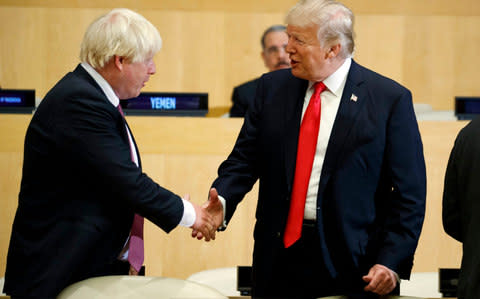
183, 154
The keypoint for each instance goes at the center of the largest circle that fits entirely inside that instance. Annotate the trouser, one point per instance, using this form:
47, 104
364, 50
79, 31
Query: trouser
299, 272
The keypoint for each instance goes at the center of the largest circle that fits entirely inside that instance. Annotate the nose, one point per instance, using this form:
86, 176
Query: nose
282, 52
152, 68
289, 47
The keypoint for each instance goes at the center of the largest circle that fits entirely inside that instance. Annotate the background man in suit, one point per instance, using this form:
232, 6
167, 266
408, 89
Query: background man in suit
273, 42
359, 186
82, 180
461, 209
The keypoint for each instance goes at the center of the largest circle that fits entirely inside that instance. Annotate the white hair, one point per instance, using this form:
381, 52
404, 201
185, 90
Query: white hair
120, 32
334, 21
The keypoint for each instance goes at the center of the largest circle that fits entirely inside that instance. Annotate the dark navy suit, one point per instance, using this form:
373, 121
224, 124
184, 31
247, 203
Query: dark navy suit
461, 207
371, 197
79, 192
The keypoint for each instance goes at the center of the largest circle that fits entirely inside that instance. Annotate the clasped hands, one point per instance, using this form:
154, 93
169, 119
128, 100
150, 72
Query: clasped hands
209, 217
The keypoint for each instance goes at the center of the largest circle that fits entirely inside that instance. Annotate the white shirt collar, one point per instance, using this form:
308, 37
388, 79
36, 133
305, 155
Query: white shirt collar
104, 85
335, 80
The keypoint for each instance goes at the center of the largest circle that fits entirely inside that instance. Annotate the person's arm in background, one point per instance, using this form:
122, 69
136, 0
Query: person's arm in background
451, 208
238, 109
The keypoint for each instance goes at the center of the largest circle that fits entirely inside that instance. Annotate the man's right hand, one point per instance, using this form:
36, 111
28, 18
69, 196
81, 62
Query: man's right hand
204, 224
213, 206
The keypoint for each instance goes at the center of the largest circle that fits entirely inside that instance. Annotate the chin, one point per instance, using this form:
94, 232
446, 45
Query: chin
134, 95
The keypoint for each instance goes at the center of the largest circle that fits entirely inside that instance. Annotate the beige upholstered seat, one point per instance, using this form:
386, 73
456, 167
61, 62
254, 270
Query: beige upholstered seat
137, 287
222, 279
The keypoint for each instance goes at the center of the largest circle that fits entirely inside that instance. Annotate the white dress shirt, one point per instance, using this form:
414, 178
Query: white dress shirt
335, 84
330, 101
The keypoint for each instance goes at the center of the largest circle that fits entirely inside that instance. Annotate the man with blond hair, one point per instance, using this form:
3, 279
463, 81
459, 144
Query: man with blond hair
83, 194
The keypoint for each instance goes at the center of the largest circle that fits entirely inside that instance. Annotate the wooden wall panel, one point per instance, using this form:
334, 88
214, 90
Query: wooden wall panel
436, 249
377, 48
183, 154
213, 45
393, 7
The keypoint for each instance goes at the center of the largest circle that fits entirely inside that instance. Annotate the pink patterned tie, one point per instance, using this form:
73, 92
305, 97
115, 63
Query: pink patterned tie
135, 246
307, 144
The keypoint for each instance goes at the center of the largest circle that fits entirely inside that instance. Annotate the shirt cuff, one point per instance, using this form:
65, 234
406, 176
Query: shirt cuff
189, 216
224, 222
397, 276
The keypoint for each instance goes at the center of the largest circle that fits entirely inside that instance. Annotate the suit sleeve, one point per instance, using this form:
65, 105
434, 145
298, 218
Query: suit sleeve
239, 172
94, 137
405, 208
451, 207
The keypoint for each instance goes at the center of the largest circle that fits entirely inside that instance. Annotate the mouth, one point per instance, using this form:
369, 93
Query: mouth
282, 64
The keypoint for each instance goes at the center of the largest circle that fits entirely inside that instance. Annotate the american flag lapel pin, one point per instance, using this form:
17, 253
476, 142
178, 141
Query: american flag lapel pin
353, 98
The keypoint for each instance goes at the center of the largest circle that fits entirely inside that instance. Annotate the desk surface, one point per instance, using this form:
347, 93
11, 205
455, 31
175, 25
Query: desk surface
248, 297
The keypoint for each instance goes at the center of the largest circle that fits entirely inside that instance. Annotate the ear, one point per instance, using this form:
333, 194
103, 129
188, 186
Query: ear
118, 61
263, 57
333, 51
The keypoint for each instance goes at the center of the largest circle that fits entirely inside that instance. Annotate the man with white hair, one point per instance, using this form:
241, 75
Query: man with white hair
339, 158
83, 194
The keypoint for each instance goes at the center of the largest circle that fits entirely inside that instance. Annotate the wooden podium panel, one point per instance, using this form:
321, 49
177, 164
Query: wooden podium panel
183, 154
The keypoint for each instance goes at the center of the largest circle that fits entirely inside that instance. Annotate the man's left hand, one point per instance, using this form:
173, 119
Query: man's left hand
381, 280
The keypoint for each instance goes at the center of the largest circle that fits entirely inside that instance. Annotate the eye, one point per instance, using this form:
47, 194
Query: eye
298, 40
273, 50
295, 39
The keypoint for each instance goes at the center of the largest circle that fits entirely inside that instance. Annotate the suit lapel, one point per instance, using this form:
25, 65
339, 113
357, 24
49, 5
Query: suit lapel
81, 72
293, 113
353, 100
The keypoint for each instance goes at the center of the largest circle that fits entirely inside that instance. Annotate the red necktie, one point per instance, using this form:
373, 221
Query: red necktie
135, 245
307, 144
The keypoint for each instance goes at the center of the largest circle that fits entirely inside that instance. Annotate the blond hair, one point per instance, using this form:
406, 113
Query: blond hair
121, 32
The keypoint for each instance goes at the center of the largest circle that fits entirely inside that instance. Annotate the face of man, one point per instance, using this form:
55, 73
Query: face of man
134, 76
308, 59
274, 54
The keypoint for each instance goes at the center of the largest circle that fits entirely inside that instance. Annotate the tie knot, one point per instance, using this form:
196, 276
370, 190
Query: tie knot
319, 88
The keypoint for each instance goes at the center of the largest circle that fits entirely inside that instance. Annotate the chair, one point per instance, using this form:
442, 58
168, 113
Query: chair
222, 279
137, 287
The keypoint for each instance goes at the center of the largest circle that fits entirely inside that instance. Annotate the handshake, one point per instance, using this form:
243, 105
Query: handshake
209, 217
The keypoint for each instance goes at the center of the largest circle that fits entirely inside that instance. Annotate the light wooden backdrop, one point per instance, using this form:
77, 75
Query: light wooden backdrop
183, 154
431, 46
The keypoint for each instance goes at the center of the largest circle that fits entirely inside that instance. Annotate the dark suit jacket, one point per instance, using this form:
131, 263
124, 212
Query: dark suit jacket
461, 206
242, 98
79, 192
371, 195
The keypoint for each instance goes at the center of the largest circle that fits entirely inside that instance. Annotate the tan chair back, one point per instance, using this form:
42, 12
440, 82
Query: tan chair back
137, 287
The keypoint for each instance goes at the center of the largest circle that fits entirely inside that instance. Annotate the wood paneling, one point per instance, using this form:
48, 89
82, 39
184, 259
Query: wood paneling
211, 46
183, 154
394, 7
